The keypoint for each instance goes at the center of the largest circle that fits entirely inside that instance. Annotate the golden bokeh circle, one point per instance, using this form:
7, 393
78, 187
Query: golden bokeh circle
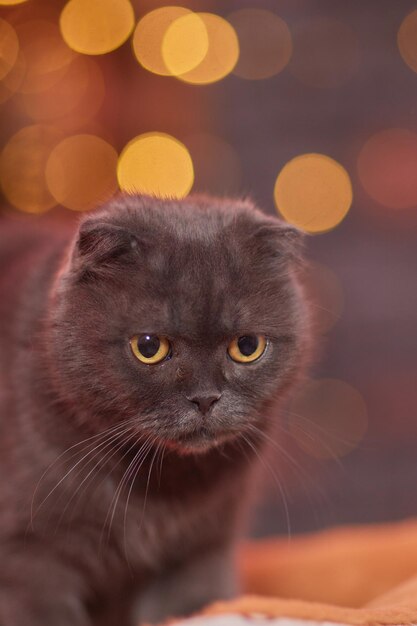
13, 81
81, 172
387, 167
149, 35
9, 48
156, 164
61, 98
313, 192
22, 168
72, 101
407, 40
46, 56
185, 43
328, 418
265, 43
222, 53
96, 26
91, 100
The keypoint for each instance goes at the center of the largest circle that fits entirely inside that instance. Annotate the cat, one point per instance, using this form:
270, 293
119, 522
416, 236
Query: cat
141, 350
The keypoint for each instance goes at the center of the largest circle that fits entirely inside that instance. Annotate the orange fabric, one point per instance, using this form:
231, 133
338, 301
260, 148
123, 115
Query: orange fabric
360, 576
273, 607
357, 564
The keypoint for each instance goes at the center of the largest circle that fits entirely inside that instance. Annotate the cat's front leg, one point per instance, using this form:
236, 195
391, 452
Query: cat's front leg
189, 587
36, 589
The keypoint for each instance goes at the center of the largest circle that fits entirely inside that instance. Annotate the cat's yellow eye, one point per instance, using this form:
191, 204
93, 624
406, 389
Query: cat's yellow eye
247, 348
150, 349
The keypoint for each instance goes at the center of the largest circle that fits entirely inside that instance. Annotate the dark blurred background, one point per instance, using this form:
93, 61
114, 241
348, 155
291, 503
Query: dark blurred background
329, 83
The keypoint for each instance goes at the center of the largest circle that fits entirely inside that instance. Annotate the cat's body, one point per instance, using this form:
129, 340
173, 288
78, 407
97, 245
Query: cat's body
81, 542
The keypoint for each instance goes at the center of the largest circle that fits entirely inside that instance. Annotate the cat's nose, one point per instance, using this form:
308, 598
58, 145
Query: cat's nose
204, 402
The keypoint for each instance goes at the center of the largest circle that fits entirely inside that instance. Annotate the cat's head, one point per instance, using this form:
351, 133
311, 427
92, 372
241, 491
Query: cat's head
181, 319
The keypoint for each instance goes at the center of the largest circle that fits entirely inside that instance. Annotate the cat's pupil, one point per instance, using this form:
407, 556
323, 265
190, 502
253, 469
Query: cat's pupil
247, 344
148, 345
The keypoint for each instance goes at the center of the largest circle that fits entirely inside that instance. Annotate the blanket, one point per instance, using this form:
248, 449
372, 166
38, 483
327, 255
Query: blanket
363, 575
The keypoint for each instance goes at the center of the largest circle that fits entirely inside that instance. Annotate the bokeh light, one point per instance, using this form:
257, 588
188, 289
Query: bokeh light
91, 100
387, 168
77, 95
222, 53
81, 172
156, 164
11, 2
328, 418
326, 52
9, 48
149, 35
313, 192
325, 296
46, 56
264, 41
185, 43
22, 168
96, 26
12, 82
407, 40
216, 164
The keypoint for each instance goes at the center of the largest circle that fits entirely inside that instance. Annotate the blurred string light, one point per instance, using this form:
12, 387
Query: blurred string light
407, 40
96, 26
222, 53
45, 54
9, 48
156, 164
328, 418
325, 295
148, 37
313, 192
22, 168
216, 163
387, 168
90, 102
198, 48
81, 172
326, 52
74, 100
13, 80
264, 41
185, 43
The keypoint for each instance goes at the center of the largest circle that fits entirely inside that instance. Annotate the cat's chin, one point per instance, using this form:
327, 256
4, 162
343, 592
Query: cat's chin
197, 443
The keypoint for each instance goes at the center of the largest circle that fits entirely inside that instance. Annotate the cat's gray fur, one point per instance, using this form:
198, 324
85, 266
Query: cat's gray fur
200, 271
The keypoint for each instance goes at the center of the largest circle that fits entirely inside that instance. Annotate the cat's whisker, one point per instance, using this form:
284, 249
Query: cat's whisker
108, 455
310, 435
147, 485
242, 449
161, 460
94, 450
298, 469
113, 504
296, 466
280, 486
146, 493
142, 452
134, 472
92, 441
115, 495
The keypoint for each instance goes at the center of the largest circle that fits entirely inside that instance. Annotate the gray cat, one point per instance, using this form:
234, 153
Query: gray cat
140, 355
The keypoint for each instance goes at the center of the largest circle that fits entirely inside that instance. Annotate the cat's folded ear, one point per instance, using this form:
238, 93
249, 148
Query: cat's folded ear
100, 247
279, 240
